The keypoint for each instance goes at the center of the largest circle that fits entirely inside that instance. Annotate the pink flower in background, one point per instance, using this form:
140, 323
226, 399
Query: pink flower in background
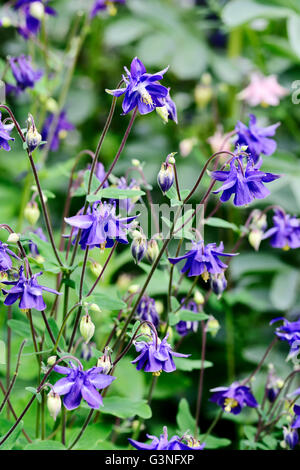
219, 141
262, 90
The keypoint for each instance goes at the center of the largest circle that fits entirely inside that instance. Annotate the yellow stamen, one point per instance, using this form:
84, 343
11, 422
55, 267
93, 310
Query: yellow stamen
146, 97
205, 276
157, 374
286, 247
229, 404
62, 134
112, 10
24, 310
102, 246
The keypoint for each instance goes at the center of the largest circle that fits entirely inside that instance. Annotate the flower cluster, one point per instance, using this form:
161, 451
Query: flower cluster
289, 331
234, 398
285, 233
62, 127
23, 73
31, 13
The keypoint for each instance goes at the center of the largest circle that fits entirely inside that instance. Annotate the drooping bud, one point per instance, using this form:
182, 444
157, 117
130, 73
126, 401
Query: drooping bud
138, 246
37, 10
204, 91
186, 146
95, 308
51, 105
274, 384
53, 404
13, 238
96, 268
33, 137
255, 238
199, 298
152, 250
212, 326
135, 162
5, 22
32, 213
51, 360
133, 289
166, 177
105, 362
257, 227
87, 328
218, 284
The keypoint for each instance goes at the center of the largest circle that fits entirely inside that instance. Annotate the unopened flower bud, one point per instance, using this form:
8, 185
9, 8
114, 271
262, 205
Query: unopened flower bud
53, 404
203, 95
32, 213
199, 298
255, 238
105, 362
87, 328
95, 308
171, 159
135, 162
51, 360
37, 10
152, 250
159, 307
13, 238
96, 268
163, 113
218, 284
5, 22
51, 105
33, 137
186, 146
138, 246
206, 79
133, 289
166, 177
291, 437
212, 326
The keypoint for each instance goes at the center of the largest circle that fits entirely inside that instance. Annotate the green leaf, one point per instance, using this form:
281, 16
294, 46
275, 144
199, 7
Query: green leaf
125, 408
107, 302
186, 364
11, 440
45, 248
184, 418
34, 392
216, 222
238, 12
293, 27
124, 31
213, 442
55, 331
115, 193
20, 328
284, 289
95, 182
186, 315
45, 445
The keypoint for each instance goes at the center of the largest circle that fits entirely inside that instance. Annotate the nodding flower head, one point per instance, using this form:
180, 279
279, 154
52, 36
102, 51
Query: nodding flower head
291, 437
5, 130
27, 291
185, 327
156, 356
234, 398
101, 227
31, 13
245, 182
257, 138
63, 126
203, 260
289, 331
105, 6
218, 283
5, 257
79, 384
285, 233
33, 137
164, 443
142, 90
138, 246
146, 310
23, 73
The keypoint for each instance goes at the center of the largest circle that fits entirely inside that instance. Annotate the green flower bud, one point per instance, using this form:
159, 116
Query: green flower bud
212, 326
53, 404
96, 268
33, 137
198, 298
32, 213
152, 250
37, 10
13, 238
51, 360
87, 328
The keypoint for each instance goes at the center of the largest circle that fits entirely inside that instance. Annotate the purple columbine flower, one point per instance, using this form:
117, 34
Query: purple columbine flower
156, 356
81, 384
232, 399
163, 443
246, 184
257, 138
5, 130
5, 260
289, 332
63, 126
286, 231
203, 259
103, 6
291, 437
296, 420
185, 327
32, 12
101, 227
28, 291
23, 73
142, 89
146, 310
32, 246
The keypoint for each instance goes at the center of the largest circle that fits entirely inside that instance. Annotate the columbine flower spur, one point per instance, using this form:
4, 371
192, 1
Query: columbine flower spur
79, 384
143, 90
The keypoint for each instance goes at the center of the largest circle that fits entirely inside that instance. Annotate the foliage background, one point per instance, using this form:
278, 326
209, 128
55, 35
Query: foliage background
228, 39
